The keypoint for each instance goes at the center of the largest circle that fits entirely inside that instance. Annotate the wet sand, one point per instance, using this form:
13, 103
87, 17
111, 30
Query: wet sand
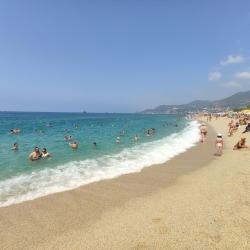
194, 201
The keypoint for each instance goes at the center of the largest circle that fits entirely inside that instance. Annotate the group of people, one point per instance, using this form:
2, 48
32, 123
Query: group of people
36, 154
73, 144
150, 132
219, 143
232, 128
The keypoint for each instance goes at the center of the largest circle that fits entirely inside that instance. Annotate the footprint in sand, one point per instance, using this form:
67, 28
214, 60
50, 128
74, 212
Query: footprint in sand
163, 229
141, 246
156, 220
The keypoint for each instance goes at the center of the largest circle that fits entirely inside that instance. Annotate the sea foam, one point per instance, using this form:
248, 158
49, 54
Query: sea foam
77, 173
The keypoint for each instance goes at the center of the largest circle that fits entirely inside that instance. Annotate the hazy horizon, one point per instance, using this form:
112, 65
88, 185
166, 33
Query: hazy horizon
121, 57
107, 112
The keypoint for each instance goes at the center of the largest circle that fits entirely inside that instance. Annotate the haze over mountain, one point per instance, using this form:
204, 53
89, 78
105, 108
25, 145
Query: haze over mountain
238, 100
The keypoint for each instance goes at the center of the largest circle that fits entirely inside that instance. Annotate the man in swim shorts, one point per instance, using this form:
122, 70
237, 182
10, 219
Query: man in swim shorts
35, 155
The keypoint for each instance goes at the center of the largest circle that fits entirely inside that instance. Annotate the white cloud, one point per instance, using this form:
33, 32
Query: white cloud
213, 76
231, 84
243, 75
231, 59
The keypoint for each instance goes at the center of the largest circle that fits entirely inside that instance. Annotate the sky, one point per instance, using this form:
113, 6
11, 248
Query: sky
121, 56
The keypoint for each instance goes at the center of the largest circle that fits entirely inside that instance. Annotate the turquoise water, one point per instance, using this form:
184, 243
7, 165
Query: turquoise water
21, 179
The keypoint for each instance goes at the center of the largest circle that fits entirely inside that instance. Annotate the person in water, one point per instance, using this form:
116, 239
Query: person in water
45, 153
35, 155
203, 131
15, 131
94, 145
136, 138
67, 137
118, 141
73, 145
122, 132
219, 144
15, 146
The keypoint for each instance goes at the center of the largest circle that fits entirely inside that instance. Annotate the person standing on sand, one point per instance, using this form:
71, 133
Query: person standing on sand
219, 144
203, 131
230, 128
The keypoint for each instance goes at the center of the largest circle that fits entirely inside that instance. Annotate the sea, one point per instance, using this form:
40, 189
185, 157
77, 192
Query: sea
22, 179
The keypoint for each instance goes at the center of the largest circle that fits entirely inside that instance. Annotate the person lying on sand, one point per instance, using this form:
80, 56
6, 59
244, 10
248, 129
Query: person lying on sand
73, 145
247, 128
240, 144
203, 131
35, 155
219, 144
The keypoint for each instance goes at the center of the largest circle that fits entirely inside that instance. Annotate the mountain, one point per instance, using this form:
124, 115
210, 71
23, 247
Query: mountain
238, 100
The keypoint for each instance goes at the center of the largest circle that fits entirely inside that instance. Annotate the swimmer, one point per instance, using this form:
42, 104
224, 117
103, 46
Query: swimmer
35, 155
76, 126
67, 137
73, 145
15, 131
94, 144
136, 138
15, 146
45, 153
122, 133
39, 131
118, 141
49, 125
150, 132
219, 145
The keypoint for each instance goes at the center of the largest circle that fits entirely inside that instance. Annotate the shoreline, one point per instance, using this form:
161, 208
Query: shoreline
194, 201
135, 158
95, 198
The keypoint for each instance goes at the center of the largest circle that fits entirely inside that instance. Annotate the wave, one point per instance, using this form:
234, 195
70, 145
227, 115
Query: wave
77, 173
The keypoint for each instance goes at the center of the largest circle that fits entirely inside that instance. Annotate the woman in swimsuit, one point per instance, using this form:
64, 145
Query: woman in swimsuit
203, 131
45, 153
219, 145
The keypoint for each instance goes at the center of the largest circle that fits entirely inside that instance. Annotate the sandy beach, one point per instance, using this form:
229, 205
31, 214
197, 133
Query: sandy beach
194, 201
